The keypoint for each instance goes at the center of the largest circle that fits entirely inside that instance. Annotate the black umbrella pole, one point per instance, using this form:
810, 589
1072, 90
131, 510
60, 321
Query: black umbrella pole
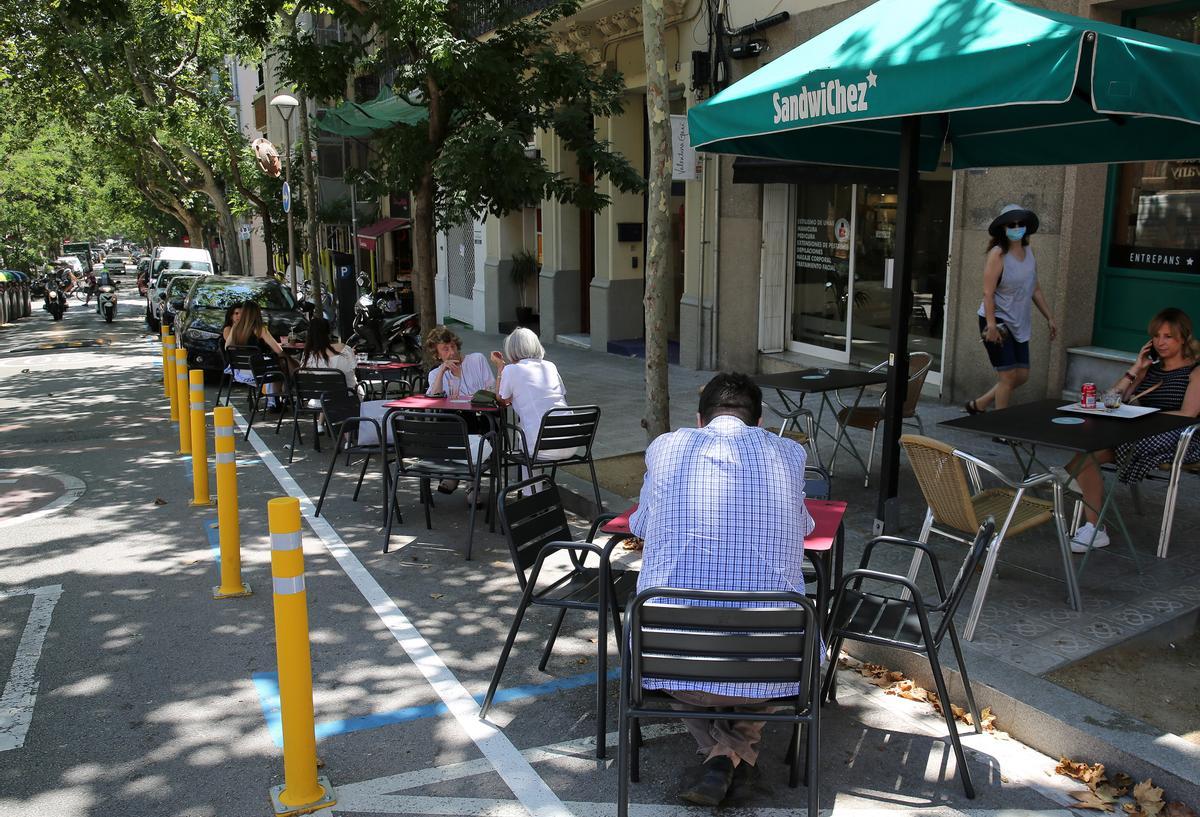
887, 511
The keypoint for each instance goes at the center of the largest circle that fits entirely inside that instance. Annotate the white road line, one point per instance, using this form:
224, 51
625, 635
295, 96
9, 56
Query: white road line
513, 768
16, 704
73, 486
489, 807
582, 748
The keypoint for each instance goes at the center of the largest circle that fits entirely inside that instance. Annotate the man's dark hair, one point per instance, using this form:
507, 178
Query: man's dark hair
734, 394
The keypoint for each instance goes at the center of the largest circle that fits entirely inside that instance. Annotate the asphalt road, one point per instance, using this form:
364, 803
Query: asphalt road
129, 691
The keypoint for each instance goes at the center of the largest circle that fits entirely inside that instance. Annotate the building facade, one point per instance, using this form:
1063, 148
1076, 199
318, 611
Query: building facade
777, 266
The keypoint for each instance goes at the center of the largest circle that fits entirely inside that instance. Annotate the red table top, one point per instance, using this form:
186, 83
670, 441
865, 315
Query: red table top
380, 367
826, 514
419, 402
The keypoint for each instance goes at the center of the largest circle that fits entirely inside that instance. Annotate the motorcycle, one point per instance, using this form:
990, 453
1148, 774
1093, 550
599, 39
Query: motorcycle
379, 336
106, 301
305, 302
56, 302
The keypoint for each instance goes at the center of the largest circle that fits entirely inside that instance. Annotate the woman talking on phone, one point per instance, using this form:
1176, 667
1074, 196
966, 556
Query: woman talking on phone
1165, 376
1010, 289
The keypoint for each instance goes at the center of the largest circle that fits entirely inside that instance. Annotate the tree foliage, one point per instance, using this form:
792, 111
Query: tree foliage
486, 98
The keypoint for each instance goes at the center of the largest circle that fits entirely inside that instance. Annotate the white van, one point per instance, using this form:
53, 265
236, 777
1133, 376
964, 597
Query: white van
173, 259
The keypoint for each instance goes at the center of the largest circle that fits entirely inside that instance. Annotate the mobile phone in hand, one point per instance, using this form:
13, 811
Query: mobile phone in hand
1152, 355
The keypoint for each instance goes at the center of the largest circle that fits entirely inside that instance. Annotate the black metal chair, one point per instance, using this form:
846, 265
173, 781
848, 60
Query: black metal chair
341, 410
535, 523
754, 637
260, 372
561, 428
435, 445
308, 387
226, 385
903, 621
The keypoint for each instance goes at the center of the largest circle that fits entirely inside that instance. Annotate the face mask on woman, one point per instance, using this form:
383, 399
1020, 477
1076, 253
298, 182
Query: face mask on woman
1014, 233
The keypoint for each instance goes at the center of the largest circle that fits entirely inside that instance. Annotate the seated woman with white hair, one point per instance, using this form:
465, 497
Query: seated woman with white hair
531, 385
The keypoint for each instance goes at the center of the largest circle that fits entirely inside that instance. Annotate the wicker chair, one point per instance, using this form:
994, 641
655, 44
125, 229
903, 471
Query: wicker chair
869, 418
958, 507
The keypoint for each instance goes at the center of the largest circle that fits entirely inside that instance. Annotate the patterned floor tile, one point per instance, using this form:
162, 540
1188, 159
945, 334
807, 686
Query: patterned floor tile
1162, 606
1066, 643
1105, 631
1132, 617
1186, 592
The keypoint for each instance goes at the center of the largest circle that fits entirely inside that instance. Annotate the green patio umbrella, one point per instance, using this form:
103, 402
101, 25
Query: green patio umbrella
359, 119
1003, 84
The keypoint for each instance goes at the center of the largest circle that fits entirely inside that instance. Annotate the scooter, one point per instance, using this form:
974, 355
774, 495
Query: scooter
397, 338
56, 303
106, 302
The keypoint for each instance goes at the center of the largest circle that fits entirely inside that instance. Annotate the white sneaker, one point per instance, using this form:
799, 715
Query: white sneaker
1083, 538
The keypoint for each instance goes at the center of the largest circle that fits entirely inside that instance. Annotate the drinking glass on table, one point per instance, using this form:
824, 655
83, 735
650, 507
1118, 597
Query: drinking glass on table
1112, 400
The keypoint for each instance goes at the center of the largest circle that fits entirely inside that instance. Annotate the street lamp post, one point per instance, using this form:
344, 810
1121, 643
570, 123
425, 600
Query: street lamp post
285, 104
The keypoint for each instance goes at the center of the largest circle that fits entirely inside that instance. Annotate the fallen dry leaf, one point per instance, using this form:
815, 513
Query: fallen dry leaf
1177, 809
159, 501
1122, 779
633, 543
987, 719
582, 661
1109, 792
1149, 798
1090, 773
1088, 799
436, 595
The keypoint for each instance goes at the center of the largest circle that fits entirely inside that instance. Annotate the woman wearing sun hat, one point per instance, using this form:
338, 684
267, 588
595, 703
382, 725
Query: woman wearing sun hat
1010, 289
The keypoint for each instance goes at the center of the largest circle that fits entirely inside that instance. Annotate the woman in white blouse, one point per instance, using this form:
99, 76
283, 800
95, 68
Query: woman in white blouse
320, 352
531, 385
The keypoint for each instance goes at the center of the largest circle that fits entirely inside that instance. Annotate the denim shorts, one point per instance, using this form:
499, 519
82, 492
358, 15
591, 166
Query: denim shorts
1010, 353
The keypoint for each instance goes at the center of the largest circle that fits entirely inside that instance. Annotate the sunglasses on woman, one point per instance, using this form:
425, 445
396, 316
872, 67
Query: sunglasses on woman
1015, 224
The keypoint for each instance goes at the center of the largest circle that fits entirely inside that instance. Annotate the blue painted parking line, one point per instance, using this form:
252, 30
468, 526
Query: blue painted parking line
267, 686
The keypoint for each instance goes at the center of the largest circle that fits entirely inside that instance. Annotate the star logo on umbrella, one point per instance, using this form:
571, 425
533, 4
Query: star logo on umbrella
872, 77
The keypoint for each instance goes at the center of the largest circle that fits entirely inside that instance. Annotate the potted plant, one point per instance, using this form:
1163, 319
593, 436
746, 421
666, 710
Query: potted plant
524, 270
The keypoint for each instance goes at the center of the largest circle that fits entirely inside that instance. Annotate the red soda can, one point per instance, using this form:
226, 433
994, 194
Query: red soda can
1087, 396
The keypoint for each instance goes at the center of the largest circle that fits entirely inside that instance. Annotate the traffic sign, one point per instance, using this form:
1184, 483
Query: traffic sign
287, 197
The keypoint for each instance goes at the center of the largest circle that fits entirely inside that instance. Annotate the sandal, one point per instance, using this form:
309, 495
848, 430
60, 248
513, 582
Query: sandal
972, 408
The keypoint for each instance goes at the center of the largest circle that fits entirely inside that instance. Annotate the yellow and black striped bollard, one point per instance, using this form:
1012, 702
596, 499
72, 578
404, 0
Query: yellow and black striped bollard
228, 524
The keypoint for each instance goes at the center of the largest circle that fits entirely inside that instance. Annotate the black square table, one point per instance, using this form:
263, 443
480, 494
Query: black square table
820, 381
1031, 425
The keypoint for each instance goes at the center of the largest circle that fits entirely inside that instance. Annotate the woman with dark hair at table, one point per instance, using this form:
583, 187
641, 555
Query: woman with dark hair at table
249, 329
1010, 290
320, 352
1166, 376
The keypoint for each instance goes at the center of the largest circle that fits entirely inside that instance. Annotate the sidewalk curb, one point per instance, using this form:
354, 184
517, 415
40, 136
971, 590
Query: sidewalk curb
1058, 722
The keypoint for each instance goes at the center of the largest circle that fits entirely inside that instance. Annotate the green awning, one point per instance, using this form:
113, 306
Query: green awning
364, 118
1003, 83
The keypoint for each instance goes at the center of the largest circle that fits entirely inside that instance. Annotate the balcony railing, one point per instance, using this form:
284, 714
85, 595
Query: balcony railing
482, 19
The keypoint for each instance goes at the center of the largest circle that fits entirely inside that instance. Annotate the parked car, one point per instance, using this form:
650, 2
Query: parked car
170, 261
156, 298
174, 295
200, 320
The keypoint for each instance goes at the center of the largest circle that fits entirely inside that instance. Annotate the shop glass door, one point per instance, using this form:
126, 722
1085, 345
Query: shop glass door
822, 274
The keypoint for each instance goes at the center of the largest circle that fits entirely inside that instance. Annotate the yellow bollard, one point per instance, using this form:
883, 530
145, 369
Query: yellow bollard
181, 401
169, 350
302, 791
229, 527
166, 333
198, 426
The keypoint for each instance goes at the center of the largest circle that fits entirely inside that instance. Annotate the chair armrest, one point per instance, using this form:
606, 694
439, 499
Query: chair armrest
517, 432
1038, 479
878, 576
599, 523
909, 543
788, 415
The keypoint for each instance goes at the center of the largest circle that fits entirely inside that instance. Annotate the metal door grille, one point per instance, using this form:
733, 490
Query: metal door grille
460, 260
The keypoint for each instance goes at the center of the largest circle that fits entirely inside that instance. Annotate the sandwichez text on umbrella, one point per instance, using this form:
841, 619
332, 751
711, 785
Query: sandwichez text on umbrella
831, 99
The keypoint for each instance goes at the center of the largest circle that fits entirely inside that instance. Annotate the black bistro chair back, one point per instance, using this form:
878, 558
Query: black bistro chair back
535, 523
309, 388
752, 637
341, 408
570, 427
434, 445
259, 369
893, 612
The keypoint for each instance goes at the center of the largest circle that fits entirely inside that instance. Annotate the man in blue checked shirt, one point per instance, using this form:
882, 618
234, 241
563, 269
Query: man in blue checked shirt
722, 508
